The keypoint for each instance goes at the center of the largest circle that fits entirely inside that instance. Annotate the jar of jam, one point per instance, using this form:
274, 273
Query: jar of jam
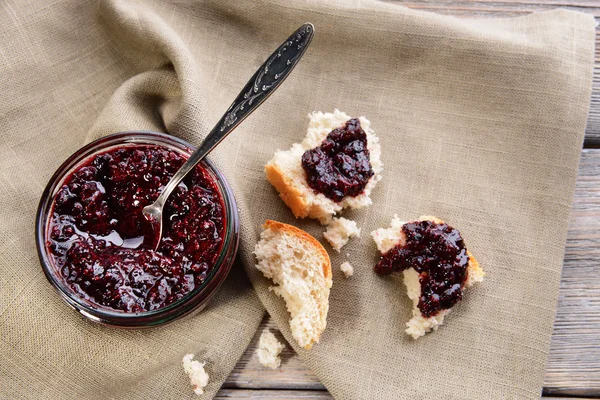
92, 238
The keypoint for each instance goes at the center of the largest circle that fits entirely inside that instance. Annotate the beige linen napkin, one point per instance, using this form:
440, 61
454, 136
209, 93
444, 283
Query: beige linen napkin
481, 124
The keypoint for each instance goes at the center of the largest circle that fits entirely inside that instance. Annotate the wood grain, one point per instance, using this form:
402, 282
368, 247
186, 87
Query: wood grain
273, 394
510, 8
250, 374
574, 360
299, 394
258, 394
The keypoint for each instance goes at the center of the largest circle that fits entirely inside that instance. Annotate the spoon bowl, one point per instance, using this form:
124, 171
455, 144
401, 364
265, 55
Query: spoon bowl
153, 215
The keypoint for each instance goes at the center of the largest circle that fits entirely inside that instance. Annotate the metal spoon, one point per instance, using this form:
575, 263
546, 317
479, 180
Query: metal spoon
262, 84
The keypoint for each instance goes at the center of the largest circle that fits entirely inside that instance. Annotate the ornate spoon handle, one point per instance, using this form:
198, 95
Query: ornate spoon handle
262, 84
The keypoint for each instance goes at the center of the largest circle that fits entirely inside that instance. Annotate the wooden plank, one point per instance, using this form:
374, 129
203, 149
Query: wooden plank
301, 394
293, 374
574, 360
258, 394
272, 394
509, 8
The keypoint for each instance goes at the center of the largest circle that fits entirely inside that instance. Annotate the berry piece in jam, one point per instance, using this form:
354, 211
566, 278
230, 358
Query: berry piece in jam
97, 229
438, 253
340, 166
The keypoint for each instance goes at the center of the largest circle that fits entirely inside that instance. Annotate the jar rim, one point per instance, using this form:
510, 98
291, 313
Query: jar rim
190, 301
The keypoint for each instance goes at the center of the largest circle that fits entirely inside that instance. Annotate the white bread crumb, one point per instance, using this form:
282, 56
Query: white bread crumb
269, 349
339, 231
347, 269
388, 238
196, 372
300, 268
474, 275
419, 325
285, 171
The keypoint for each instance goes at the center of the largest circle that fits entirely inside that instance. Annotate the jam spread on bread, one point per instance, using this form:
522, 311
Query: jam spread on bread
340, 166
438, 253
97, 229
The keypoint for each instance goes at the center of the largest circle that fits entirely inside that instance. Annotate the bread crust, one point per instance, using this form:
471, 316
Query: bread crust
290, 195
299, 233
473, 266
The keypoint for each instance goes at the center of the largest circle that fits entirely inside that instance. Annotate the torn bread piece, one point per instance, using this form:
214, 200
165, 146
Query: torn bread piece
430, 246
347, 269
301, 271
339, 231
286, 173
269, 349
196, 372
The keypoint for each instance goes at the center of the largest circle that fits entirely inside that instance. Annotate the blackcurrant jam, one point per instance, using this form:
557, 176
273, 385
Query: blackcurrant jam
340, 166
438, 253
96, 229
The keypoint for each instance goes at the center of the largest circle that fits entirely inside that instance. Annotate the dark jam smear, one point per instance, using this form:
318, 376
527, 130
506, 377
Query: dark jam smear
340, 166
97, 229
438, 253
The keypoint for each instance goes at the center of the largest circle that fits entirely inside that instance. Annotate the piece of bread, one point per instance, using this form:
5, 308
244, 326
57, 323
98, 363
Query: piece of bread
347, 269
269, 349
339, 231
300, 268
196, 372
286, 174
419, 325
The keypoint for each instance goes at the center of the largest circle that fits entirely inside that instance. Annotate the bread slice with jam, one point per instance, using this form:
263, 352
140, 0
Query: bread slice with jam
286, 173
437, 267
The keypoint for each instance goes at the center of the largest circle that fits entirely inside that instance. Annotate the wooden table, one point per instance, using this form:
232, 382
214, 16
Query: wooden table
574, 361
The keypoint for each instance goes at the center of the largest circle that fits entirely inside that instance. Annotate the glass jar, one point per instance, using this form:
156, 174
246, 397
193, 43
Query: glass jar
193, 301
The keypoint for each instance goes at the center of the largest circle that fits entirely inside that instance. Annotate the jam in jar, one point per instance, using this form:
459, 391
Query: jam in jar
96, 229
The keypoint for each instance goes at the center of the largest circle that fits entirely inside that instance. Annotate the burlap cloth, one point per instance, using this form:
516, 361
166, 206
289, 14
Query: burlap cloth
481, 124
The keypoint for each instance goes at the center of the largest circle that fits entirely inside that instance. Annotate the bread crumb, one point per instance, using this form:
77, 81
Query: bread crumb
347, 269
339, 231
196, 372
419, 325
388, 238
269, 349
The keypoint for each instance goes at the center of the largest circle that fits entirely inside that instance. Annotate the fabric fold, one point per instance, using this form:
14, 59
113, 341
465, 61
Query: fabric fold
481, 123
